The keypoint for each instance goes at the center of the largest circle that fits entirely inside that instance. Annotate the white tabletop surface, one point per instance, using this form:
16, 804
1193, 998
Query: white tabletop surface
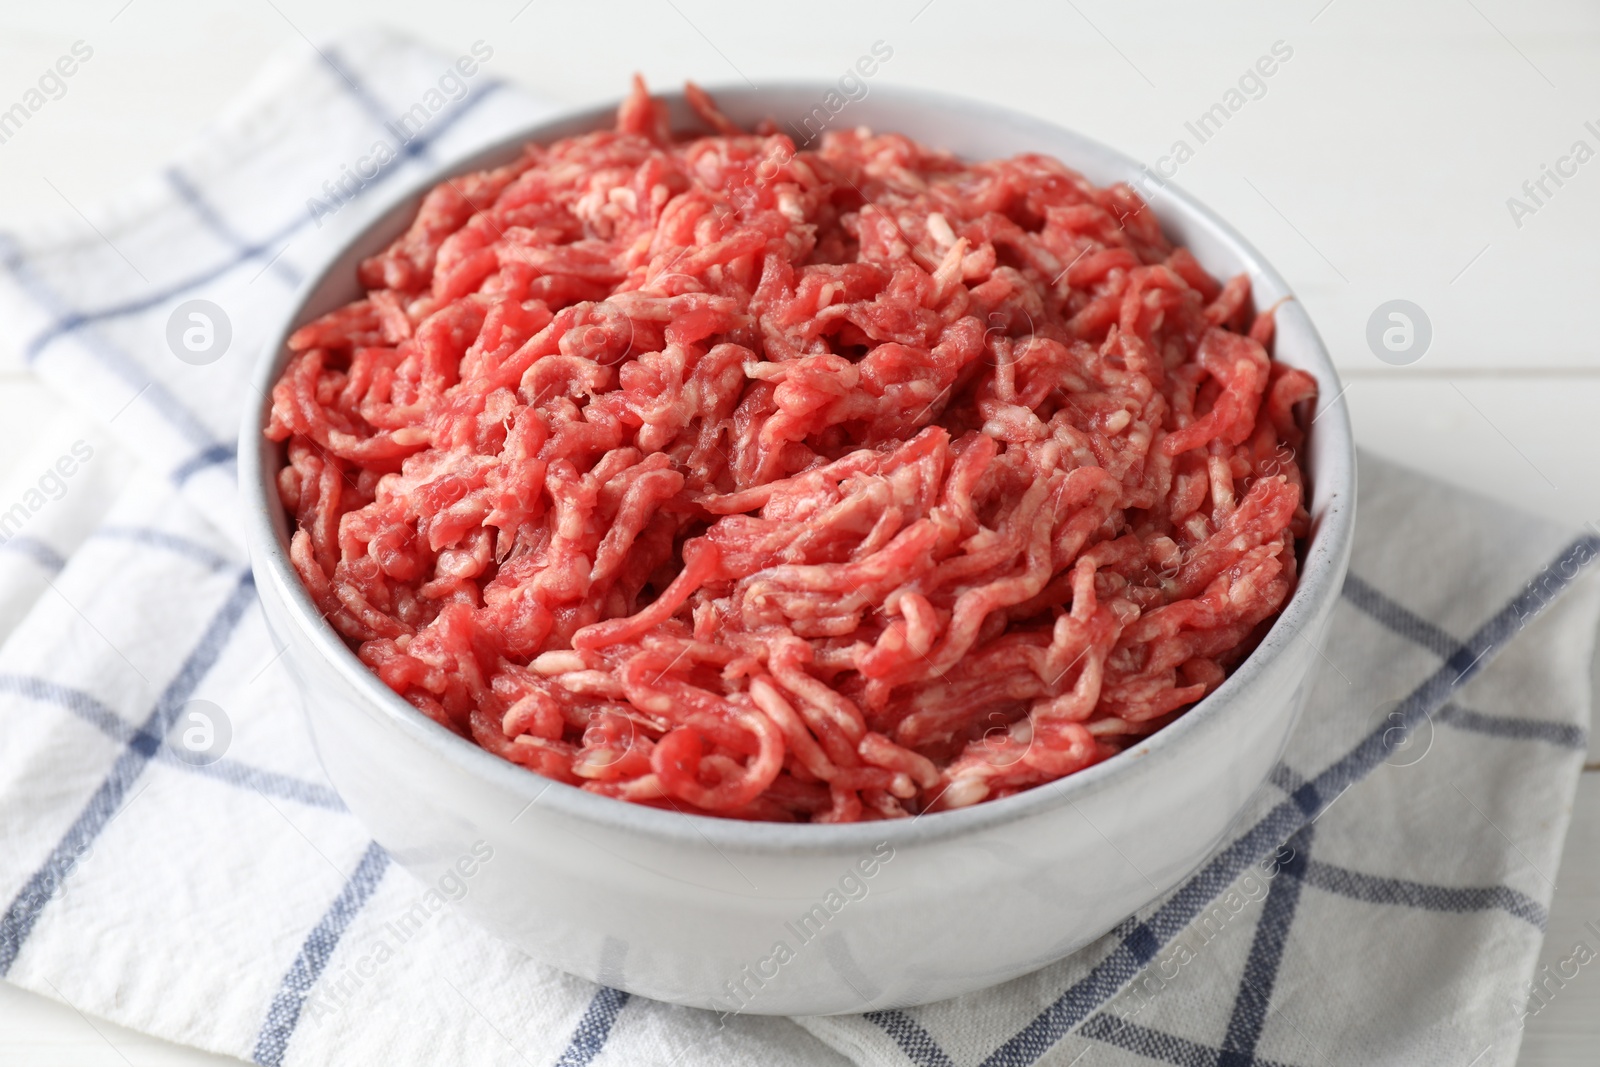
1376, 166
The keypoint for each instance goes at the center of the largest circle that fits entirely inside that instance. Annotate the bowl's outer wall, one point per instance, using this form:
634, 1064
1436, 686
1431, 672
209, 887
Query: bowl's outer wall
686, 909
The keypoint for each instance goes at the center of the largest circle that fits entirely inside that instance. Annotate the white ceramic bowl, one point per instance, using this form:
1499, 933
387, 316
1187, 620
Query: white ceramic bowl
694, 909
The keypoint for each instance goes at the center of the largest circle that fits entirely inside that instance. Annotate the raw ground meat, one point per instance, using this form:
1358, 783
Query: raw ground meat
704, 472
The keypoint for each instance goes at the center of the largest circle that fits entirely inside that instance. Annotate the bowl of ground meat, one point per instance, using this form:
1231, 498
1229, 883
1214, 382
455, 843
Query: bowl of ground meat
797, 565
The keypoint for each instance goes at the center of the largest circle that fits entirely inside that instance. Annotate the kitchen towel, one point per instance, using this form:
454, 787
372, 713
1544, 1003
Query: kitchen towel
1381, 901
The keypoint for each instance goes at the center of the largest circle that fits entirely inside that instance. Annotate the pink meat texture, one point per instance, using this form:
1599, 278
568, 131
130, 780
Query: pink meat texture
815, 484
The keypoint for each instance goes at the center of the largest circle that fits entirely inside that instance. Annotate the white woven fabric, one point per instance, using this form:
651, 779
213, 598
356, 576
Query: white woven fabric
1383, 900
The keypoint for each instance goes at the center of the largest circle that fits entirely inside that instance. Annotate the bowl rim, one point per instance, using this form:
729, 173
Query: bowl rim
1319, 582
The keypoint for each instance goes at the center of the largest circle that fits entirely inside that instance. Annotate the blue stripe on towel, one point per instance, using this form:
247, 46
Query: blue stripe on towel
229, 770
1153, 1044
33, 548
284, 1013
592, 1031
1252, 1003
206, 458
918, 1045
412, 148
170, 542
1397, 617
196, 201
106, 802
1400, 892
1560, 734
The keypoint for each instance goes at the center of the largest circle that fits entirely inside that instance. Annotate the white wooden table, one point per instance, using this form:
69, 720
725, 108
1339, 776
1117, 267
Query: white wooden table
1376, 165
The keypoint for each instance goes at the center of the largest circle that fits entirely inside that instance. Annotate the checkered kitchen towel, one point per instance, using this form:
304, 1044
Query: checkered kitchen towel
1383, 899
